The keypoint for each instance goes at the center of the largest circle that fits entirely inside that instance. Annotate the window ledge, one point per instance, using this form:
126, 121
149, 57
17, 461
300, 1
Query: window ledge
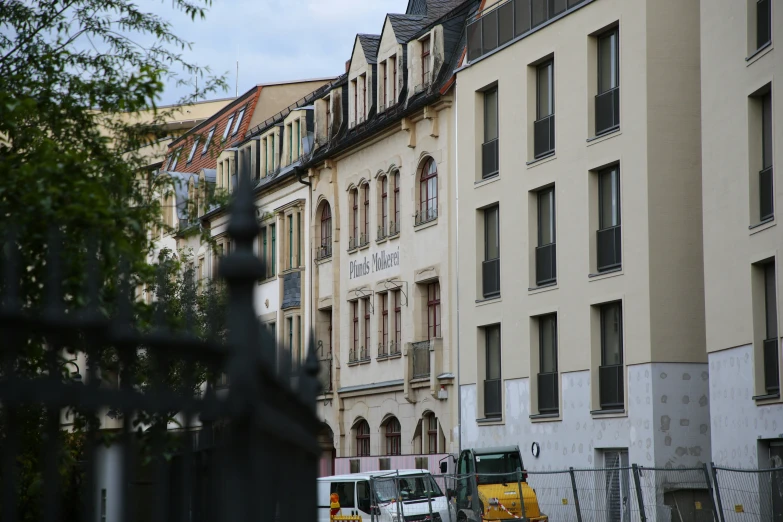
614, 272
488, 300
758, 53
395, 236
353, 250
546, 417
390, 356
763, 225
292, 270
420, 380
364, 246
357, 363
768, 397
426, 224
543, 288
609, 413
267, 280
543, 159
323, 260
489, 421
607, 134
381, 240
487, 180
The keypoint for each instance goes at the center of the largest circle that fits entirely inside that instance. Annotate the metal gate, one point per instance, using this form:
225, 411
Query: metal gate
247, 453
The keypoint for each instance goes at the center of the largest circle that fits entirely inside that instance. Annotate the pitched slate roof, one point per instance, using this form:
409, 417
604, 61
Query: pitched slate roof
370, 44
405, 26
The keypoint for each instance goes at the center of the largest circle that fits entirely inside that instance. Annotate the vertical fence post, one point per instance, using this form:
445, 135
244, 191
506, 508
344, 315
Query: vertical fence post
576, 495
639, 495
521, 495
710, 490
716, 486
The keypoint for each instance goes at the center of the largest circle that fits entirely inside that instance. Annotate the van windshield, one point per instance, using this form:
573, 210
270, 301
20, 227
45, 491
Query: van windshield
411, 487
497, 468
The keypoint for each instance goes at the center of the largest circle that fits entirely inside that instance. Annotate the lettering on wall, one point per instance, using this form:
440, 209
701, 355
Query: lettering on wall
377, 263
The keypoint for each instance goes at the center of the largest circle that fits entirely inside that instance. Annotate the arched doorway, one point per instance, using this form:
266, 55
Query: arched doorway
328, 453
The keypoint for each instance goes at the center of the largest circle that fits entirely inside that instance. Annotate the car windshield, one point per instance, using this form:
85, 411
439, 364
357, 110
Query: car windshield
497, 468
411, 487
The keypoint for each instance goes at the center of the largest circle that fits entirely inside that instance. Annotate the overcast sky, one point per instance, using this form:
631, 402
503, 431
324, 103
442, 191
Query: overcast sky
274, 40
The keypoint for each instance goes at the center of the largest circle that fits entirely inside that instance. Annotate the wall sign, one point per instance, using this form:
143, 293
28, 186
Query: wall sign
378, 262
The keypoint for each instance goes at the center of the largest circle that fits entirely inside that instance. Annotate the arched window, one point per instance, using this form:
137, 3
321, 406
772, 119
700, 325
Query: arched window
354, 240
395, 228
326, 231
431, 425
362, 439
393, 437
382, 229
428, 192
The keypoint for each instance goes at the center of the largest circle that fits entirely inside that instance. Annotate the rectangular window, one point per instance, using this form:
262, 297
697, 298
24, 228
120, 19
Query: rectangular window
544, 126
228, 127
489, 150
425, 61
366, 231
262, 248
383, 231
432, 435
384, 324
366, 348
546, 265
763, 23
396, 228
208, 141
771, 359
766, 185
607, 101
290, 241
611, 372
290, 327
393, 65
491, 265
273, 152
433, 311
608, 239
175, 159
355, 342
355, 219
548, 401
385, 87
298, 239
492, 382
290, 131
273, 253
355, 86
238, 121
397, 324
193, 150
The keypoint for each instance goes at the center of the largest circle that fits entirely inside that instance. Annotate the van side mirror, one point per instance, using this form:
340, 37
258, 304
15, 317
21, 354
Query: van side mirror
444, 467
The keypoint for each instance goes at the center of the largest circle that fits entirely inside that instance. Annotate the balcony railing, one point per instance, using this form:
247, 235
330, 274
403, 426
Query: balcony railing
394, 349
771, 366
382, 232
548, 400
364, 239
358, 355
609, 248
611, 387
511, 19
546, 266
324, 252
325, 374
544, 136
353, 243
490, 276
426, 215
607, 111
766, 195
490, 159
421, 359
383, 350
493, 398
394, 228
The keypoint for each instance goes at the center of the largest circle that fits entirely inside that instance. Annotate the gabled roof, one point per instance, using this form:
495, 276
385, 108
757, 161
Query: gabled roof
405, 26
370, 44
416, 7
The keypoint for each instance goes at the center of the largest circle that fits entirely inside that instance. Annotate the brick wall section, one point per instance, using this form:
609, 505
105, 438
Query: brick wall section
209, 160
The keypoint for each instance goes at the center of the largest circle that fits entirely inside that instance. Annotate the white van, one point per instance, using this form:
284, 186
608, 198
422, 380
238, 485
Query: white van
385, 496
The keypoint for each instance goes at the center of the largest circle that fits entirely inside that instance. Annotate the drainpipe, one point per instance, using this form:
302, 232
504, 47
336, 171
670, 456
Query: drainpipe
299, 171
456, 191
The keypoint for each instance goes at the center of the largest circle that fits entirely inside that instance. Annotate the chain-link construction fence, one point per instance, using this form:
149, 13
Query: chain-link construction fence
744, 495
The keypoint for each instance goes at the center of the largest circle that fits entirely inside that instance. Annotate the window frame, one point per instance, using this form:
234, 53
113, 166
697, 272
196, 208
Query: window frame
541, 348
366, 227
366, 306
426, 48
227, 130
210, 135
397, 320
355, 342
434, 317
613, 35
393, 435
385, 320
428, 203
355, 218
616, 203
363, 438
326, 227
384, 206
551, 220
396, 176
550, 66
193, 149
238, 122
432, 434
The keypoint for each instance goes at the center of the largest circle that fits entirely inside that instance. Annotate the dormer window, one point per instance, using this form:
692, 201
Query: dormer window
393, 90
175, 159
193, 149
209, 140
228, 127
363, 113
425, 60
238, 122
355, 85
385, 84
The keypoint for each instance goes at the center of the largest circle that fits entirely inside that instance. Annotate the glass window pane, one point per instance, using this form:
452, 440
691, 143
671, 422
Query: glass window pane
770, 301
490, 115
548, 339
490, 31
492, 234
611, 335
545, 98
540, 12
609, 198
766, 129
493, 352
558, 6
505, 23
521, 16
546, 217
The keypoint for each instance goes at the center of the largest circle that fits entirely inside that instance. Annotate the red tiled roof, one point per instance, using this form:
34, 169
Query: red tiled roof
208, 160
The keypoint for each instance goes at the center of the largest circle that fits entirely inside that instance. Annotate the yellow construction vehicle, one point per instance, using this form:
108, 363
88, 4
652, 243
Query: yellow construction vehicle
490, 484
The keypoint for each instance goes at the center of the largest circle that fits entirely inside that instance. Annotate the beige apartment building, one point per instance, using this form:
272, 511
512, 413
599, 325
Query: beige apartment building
741, 141
581, 297
383, 227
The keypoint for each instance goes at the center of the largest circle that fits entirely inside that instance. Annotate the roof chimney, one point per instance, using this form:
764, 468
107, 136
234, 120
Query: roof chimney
347, 65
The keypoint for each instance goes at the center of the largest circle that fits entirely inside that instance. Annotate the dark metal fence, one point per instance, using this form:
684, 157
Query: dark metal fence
421, 359
218, 465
